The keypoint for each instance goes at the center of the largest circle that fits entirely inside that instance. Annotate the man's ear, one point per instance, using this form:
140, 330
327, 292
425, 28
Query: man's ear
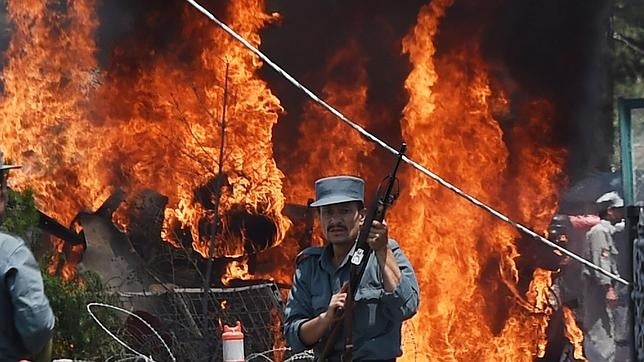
362, 214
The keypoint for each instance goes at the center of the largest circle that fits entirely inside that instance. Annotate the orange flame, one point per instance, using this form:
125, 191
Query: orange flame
279, 344
46, 125
54, 262
464, 259
574, 334
81, 131
538, 297
348, 149
236, 269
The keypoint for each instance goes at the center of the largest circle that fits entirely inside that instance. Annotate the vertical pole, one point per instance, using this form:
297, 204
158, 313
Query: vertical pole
624, 116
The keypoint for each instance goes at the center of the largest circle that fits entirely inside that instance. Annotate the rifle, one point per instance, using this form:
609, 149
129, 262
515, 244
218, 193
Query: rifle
359, 261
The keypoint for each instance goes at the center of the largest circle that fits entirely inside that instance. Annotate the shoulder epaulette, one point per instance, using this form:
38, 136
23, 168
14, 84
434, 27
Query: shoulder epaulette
310, 251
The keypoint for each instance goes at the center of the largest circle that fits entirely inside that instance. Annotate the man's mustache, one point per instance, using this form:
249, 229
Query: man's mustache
336, 227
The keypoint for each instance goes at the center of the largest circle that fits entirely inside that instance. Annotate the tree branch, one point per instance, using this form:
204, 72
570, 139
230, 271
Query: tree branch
629, 43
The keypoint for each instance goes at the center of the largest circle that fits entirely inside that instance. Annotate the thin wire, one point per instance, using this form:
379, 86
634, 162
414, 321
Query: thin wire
409, 161
306, 355
117, 339
253, 356
132, 358
125, 358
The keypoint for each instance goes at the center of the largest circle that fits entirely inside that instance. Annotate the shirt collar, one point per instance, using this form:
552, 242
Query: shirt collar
326, 261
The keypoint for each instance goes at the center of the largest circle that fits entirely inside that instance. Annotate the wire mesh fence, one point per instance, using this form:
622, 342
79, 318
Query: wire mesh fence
177, 317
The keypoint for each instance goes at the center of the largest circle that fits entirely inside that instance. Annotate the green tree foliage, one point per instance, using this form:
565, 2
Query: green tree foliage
77, 335
22, 216
627, 69
628, 48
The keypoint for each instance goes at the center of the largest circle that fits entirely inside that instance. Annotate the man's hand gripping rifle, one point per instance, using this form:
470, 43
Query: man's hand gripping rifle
361, 254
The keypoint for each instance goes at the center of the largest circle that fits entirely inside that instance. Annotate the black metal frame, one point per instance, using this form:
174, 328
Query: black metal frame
635, 220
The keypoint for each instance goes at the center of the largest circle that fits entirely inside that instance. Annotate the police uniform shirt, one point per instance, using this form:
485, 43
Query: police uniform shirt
378, 315
26, 318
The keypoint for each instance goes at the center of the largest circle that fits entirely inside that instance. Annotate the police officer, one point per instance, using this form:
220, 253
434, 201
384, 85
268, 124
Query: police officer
387, 295
599, 295
26, 318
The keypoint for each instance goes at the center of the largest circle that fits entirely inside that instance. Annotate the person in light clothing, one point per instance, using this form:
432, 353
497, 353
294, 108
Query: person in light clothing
599, 294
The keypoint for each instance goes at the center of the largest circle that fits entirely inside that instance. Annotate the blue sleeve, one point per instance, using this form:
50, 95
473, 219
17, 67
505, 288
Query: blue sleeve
33, 317
402, 303
298, 309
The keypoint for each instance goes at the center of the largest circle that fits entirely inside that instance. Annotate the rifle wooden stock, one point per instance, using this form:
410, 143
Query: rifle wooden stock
359, 261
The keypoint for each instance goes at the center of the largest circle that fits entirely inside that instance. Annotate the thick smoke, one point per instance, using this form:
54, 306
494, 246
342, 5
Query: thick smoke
557, 50
133, 33
312, 32
548, 50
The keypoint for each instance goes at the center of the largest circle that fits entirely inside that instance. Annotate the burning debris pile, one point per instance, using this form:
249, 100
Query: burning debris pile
107, 96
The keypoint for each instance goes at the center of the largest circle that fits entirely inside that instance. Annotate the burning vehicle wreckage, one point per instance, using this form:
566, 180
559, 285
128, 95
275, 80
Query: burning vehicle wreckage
162, 282
191, 242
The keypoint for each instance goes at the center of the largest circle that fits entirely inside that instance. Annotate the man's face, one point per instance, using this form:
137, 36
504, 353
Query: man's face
341, 223
615, 214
